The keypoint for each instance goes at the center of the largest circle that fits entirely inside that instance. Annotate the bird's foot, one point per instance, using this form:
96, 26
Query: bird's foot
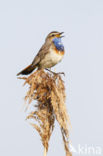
55, 73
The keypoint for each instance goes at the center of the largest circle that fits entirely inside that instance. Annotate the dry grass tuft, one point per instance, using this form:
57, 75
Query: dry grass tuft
49, 92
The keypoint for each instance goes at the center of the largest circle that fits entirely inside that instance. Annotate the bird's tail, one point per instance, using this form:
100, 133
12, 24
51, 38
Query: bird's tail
27, 70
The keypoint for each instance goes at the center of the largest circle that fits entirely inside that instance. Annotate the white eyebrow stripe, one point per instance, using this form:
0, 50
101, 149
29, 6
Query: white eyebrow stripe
53, 33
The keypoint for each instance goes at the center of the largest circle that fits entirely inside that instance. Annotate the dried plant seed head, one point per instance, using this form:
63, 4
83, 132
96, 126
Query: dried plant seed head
49, 92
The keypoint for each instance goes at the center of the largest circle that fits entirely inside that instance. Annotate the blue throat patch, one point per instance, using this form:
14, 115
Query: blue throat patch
58, 43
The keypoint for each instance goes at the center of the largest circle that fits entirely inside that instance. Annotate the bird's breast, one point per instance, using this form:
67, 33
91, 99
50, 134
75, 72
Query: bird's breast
51, 58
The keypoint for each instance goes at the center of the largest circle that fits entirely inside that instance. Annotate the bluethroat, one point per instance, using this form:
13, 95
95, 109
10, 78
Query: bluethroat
49, 55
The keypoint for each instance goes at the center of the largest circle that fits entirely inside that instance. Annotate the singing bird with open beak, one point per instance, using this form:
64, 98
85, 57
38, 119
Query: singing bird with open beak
49, 55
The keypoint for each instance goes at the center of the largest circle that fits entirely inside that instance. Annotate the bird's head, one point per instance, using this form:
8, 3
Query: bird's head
53, 35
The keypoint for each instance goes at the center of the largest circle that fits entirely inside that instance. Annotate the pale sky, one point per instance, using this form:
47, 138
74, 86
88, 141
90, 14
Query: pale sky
24, 25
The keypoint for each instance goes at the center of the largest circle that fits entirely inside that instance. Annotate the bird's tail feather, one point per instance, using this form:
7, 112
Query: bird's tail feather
27, 70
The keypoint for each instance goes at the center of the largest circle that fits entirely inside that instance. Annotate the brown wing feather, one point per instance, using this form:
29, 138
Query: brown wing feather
41, 54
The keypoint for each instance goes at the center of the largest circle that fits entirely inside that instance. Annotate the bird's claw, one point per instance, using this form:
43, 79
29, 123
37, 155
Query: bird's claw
56, 73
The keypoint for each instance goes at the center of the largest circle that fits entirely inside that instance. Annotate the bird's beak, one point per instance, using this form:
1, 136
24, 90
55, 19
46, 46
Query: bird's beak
61, 34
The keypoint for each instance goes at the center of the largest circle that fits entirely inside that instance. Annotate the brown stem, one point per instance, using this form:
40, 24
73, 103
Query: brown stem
45, 151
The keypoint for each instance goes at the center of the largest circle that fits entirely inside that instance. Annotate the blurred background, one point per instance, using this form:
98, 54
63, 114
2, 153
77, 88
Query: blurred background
24, 25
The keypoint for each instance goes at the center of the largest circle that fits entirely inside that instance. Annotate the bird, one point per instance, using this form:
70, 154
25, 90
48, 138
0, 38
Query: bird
50, 54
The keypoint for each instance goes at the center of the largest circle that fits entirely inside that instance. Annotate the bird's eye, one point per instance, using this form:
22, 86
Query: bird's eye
53, 35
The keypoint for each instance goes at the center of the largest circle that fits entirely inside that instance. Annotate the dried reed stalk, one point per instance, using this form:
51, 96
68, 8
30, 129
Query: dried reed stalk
49, 92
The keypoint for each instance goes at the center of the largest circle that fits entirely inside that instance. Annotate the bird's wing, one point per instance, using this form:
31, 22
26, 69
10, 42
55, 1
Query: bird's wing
41, 54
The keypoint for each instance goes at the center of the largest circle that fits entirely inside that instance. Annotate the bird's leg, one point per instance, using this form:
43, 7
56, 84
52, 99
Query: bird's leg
54, 72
